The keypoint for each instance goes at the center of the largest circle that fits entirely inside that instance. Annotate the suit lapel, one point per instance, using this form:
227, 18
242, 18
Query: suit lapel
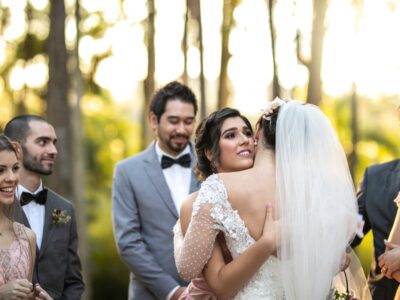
154, 171
49, 207
19, 214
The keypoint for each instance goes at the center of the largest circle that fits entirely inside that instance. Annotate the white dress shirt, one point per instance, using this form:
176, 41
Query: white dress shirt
34, 213
178, 178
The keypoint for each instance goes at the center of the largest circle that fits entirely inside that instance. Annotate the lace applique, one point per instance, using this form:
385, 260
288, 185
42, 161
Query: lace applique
225, 218
212, 212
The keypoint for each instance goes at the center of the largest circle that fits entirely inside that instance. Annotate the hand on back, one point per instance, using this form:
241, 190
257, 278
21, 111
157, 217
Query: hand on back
270, 234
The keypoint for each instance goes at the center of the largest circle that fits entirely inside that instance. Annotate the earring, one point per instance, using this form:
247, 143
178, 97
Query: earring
255, 142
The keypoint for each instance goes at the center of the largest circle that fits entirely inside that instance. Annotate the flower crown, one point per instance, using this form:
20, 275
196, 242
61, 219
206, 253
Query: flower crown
271, 106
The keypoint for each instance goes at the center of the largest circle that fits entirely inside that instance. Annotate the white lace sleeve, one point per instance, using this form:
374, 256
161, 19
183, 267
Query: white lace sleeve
178, 239
203, 228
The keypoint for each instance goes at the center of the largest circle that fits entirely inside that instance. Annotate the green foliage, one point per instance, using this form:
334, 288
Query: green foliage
378, 142
30, 47
110, 135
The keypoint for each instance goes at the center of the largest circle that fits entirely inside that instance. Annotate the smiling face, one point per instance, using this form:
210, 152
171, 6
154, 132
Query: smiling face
8, 176
175, 126
236, 146
39, 150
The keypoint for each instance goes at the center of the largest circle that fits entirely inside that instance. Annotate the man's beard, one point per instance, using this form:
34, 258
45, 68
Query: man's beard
177, 147
33, 166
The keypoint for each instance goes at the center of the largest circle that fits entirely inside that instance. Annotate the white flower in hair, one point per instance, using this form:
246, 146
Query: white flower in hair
271, 106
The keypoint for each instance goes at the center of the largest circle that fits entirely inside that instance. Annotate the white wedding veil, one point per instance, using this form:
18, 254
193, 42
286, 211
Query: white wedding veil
315, 200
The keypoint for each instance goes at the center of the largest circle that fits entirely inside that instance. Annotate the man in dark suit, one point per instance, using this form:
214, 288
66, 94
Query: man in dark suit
148, 189
50, 216
378, 189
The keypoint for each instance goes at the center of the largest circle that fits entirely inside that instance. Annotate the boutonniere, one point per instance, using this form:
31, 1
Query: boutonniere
60, 216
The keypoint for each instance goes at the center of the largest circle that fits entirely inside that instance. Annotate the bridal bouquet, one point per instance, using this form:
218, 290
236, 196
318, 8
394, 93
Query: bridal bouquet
343, 296
336, 295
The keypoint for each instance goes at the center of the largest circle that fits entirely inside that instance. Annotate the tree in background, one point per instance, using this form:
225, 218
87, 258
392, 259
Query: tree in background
194, 8
314, 63
58, 110
276, 88
149, 84
227, 25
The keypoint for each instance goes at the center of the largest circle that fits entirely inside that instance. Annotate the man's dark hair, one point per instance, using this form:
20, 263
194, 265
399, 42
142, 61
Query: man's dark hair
173, 90
17, 128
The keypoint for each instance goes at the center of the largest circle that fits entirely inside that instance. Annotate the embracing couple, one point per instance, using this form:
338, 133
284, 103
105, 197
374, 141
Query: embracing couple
273, 217
277, 219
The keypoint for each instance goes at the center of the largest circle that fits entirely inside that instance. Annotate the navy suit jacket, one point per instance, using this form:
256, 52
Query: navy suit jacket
375, 196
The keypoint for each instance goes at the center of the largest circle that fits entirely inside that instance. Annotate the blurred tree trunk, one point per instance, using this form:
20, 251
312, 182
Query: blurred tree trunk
149, 81
78, 163
203, 105
227, 24
26, 54
314, 91
58, 110
353, 160
185, 44
354, 131
195, 11
276, 89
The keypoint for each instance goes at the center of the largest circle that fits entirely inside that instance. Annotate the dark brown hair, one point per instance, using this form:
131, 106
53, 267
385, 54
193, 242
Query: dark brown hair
6, 144
207, 138
268, 124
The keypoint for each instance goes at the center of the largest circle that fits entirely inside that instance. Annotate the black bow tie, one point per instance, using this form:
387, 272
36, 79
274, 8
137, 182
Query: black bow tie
184, 161
39, 198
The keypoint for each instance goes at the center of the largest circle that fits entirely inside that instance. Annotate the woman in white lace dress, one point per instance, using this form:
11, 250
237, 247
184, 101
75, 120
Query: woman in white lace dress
300, 168
224, 143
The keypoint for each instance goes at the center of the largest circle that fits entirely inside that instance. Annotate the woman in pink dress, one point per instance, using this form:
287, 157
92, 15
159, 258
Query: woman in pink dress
17, 242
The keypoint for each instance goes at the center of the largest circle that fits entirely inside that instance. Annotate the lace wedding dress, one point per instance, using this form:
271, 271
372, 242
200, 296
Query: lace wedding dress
212, 212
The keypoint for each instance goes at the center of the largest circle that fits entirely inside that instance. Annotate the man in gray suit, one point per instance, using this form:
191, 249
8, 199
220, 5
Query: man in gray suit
148, 189
375, 196
52, 218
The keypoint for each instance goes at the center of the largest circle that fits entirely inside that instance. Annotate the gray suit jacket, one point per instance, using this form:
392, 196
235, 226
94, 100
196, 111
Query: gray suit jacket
375, 196
57, 267
144, 214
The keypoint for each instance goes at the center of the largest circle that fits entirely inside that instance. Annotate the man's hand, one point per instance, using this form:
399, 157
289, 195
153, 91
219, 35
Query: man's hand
16, 289
345, 262
41, 294
178, 293
270, 232
389, 262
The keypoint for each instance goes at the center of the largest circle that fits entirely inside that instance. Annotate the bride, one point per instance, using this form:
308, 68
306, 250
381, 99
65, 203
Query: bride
300, 168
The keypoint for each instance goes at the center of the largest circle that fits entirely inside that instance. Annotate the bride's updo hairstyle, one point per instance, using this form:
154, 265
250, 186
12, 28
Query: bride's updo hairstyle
268, 124
207, 137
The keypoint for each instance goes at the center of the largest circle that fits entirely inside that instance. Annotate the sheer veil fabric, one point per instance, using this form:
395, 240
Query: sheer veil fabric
315, 199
